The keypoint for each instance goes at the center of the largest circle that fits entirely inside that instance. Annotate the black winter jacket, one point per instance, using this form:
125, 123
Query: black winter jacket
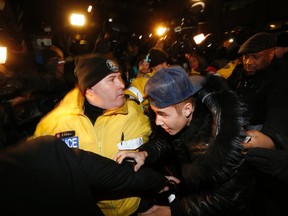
210, 154
265, 95
45, 176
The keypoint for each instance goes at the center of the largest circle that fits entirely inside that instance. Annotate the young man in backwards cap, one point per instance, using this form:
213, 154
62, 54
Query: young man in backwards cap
95, 116
262, 84
206, 131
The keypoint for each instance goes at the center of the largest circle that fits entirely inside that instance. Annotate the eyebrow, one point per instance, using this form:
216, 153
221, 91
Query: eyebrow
159, 112
115, 74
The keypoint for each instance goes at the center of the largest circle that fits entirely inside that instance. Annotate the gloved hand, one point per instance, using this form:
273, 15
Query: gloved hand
269, 161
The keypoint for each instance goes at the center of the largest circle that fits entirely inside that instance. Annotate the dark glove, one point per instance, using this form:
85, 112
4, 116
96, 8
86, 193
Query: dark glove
269, 161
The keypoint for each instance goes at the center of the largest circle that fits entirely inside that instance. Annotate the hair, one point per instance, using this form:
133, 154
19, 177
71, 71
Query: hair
180, 105
202, 61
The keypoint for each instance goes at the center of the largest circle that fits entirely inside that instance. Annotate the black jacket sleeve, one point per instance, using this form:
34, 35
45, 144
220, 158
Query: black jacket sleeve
104, 175
45, 171
227, 199
270, 161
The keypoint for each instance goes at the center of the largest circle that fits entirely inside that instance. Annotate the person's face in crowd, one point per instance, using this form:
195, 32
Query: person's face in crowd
257, 61
173, 119
143, 66
108, 93
194, 62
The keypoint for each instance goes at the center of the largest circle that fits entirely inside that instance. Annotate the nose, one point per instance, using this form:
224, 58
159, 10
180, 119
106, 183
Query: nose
158, 120
248, 60
121, 83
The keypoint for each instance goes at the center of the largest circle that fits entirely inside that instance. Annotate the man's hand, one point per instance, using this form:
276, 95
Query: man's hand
171, 180
139, 157
258, 139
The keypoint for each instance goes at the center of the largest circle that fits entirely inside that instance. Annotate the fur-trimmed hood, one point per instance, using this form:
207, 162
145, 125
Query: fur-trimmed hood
213, 137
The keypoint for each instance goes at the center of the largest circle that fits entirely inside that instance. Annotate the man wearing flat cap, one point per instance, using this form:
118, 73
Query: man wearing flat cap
262, 83
95, 116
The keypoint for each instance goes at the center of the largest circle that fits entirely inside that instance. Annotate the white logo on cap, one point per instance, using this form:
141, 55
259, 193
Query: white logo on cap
112, 66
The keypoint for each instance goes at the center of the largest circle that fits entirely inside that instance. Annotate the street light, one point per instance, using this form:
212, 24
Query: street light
77, 20
161, 30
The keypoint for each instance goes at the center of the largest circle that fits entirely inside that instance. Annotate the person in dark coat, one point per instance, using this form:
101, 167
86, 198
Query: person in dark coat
45, 176
261, 83
205, 128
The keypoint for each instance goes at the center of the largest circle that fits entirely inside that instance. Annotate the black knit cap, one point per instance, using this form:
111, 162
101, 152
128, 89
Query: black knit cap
91, 69
157, 56
258, 42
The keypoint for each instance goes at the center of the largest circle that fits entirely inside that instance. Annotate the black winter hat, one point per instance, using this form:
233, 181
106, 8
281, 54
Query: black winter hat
282, 39
157, 56
257, 43
91, 69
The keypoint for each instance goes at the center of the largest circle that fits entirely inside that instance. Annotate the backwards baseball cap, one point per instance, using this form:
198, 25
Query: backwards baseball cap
91, 69
169, 86
258, 42
157, 56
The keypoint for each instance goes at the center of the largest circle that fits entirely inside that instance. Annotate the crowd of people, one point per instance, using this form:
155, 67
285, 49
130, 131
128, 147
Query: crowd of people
155, 137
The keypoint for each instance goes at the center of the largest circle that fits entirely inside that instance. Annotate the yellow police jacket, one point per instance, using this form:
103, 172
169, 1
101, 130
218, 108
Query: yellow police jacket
68, 122
227, 69
136, 89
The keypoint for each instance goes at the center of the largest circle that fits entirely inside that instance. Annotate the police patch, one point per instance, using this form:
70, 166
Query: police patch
71, 142
112, 66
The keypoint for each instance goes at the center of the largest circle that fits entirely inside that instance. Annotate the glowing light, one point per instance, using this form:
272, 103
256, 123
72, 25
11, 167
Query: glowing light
77, 19
199, 38
89, 8
161, 31
202, 4
3, 55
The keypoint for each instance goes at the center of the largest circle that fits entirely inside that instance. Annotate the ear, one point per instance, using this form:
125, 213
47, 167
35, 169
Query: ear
271, 53
89, 91
188, 109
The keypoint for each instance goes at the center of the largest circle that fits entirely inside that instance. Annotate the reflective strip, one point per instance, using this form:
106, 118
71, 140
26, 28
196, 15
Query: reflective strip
131, 144
136, 92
